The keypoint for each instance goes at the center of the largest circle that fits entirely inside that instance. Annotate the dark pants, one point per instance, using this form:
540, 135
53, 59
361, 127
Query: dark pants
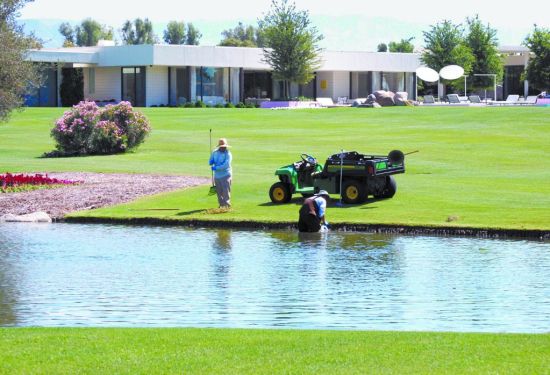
308, 222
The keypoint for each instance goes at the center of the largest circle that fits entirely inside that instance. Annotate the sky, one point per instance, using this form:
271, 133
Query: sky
352, 24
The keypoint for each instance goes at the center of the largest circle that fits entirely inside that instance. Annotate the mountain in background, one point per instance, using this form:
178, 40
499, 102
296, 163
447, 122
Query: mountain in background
344, 33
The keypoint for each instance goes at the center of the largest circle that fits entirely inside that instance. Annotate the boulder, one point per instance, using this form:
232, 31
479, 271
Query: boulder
35, 217
384, 98
400, 98
370, 99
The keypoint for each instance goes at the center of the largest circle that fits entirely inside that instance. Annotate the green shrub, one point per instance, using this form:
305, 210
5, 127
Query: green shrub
240, 105
200, 104
189, 105
229, 105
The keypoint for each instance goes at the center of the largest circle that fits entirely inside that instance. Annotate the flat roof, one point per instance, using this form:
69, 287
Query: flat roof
226, 57
217, 56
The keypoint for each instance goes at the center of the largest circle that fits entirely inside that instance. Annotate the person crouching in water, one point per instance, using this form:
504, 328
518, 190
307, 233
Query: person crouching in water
312, 212
220, 162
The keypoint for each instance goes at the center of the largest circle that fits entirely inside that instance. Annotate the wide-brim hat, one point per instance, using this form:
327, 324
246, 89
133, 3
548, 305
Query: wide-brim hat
223, 143
322, 193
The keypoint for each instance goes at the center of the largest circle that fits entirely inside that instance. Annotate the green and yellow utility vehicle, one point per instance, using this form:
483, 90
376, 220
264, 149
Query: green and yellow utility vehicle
353, 175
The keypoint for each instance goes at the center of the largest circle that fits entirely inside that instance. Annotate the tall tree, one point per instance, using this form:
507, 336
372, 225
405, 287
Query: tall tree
90, 32
291, 43
140, 31
193, 35
445, 45
16, 74
175, 33
242, 36
483, 42
538, 68
403, 46
68, 33
382, 47
87, 34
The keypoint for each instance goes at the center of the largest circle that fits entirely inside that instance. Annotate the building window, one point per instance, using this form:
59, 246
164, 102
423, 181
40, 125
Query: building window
257, 85
363, 85
183, 85
133, 85
91, 81
212, 85
394, 82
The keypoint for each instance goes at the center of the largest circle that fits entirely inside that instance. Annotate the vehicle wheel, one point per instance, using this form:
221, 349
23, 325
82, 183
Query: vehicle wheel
390, 189
353, 192
280, 193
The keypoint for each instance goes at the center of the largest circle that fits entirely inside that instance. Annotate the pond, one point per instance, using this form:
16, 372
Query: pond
136, 276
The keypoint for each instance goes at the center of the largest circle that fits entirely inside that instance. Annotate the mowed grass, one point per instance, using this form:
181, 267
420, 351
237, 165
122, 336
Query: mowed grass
482, 167
230, 351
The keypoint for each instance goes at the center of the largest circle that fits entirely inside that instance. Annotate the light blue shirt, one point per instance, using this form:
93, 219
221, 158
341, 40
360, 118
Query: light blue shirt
321, 204
222, 161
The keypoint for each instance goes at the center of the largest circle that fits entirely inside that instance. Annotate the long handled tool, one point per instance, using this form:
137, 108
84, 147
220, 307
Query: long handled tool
212, 190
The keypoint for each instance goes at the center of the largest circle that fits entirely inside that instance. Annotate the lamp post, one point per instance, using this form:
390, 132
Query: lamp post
494, 82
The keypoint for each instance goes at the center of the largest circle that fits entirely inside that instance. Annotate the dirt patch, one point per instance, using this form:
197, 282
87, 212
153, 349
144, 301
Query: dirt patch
97, 190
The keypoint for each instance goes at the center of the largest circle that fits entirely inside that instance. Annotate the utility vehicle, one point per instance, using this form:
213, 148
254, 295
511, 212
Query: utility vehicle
353, 175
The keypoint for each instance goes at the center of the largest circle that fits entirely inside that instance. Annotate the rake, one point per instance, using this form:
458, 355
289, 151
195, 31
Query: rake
212, 190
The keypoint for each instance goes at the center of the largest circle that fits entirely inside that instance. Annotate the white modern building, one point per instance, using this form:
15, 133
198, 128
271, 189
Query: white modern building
148, 75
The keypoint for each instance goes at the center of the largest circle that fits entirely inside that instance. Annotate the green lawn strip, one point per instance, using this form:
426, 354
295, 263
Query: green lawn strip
483, 167
144, 351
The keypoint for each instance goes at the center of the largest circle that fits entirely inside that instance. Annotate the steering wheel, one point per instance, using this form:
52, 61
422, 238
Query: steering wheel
308, 159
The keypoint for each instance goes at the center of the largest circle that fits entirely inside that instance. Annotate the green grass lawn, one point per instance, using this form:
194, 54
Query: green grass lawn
228, 351
488, 167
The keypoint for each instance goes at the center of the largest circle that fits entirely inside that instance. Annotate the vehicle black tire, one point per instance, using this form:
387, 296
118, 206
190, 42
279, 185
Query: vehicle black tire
280, 193
353, 192
390, 189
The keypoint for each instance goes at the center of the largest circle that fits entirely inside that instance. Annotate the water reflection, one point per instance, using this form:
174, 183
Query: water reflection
8, 284
92, 275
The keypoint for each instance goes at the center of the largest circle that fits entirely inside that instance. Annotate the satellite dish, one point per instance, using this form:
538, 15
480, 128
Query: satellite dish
427, 74
451, 72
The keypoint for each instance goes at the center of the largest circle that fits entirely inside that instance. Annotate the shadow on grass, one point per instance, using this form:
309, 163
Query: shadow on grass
187, 213
209, 211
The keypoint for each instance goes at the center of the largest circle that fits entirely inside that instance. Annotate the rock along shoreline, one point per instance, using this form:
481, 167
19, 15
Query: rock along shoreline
539, 235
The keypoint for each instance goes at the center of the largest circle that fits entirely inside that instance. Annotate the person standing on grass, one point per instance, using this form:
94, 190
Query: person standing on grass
312, 212
220, 162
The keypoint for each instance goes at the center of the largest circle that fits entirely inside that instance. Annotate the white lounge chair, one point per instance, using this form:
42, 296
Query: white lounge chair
453, 99
429, 99
325, 102
474, 99
510, 100
530, 100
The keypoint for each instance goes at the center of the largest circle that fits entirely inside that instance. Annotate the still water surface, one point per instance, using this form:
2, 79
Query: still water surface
100, 275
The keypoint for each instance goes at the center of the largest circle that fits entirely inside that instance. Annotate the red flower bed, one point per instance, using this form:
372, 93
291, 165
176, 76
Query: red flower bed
9, 182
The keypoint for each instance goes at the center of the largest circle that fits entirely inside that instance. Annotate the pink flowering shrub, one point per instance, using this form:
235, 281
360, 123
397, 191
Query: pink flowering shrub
87, 129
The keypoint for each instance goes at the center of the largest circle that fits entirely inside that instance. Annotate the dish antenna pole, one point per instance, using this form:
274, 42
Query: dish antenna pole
494, 83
